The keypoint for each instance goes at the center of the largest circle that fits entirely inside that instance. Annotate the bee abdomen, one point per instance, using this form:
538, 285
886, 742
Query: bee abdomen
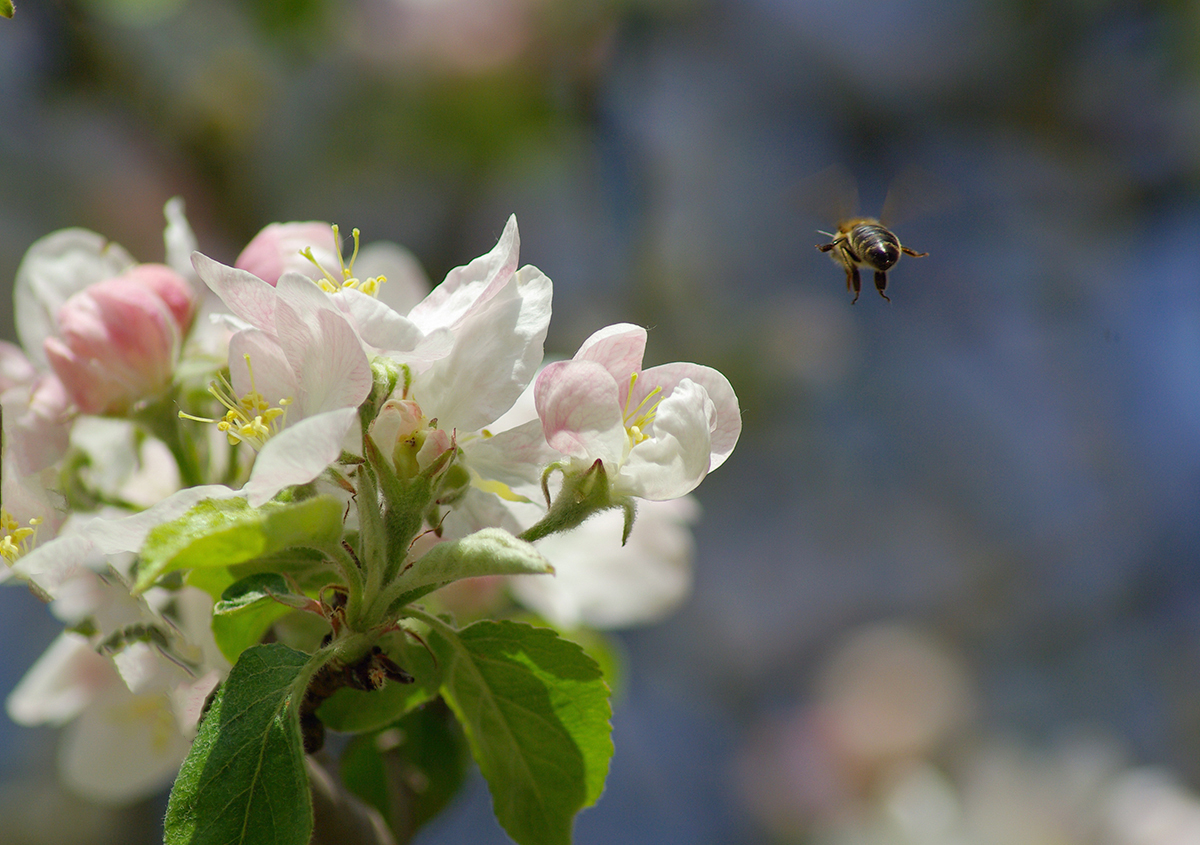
874, 246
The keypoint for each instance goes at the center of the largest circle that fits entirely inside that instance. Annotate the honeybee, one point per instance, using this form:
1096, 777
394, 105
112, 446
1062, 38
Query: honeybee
862, 241
865, 242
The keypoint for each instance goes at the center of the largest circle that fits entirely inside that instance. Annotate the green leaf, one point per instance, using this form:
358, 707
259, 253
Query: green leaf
358, 711
222, 532
248, 608
6, 8
535, 710
309, 568
410, 771
490, 551
244, 782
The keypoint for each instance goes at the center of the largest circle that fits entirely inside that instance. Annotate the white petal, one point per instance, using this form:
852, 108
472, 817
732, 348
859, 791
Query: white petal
379, 325
55, 267
64, 680
246, 295
497, 350
676, 456
122, 748
333, 369
515, 457
298, 454
602, 584
180, 240
727, 424
468, 285
268, 370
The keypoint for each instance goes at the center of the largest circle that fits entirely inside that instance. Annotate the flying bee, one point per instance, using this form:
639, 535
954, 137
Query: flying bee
864, 242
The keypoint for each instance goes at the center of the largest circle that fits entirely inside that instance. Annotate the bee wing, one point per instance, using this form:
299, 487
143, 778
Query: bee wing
830, 194
914, 193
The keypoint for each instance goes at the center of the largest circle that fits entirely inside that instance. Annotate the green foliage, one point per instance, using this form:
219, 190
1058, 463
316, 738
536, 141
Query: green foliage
410, 771
248, 608
244, 781
490, 551
535, 711
223, 532
358, 711
6, 8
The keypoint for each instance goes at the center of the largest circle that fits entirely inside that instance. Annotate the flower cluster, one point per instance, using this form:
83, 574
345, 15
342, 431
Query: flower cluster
373, 441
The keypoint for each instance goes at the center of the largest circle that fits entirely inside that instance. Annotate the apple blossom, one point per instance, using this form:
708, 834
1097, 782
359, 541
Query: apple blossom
117, 341
600, 583
132, 712
494, 316
405, 442
55, 268
279, 248
657, 432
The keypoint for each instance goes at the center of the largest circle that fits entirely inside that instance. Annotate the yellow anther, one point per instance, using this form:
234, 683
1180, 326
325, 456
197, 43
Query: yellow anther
637, 418
330, 283
15, 538
249, 419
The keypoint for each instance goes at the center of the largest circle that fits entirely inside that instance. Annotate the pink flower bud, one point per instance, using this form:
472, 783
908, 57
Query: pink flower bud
118, 339
402, 432
276, 250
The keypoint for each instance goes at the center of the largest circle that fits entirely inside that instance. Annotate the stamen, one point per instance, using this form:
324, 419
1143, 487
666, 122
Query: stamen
637, 419
16, 539
330, 284
250, 419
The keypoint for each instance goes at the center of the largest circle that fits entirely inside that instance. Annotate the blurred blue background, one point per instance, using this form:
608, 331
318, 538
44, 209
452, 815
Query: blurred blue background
1001, 467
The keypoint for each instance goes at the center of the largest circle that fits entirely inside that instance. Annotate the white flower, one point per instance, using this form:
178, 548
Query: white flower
130, 717
657, 432
600, 583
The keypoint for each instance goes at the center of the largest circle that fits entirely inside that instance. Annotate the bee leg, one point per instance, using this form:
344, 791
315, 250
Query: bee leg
853, 281
908, 251
881, 283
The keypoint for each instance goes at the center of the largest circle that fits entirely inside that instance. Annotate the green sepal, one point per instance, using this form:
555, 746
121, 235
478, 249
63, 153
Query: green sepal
244, 781
385, 375
223, 532
583, 494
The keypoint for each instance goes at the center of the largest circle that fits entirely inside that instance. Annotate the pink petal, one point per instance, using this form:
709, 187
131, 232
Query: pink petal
619, 349
244, 294
577, 403
276, 250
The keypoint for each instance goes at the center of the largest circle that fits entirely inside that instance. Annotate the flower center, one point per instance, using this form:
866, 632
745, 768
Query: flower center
332, 284
249, 418
16, 539
638, 418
